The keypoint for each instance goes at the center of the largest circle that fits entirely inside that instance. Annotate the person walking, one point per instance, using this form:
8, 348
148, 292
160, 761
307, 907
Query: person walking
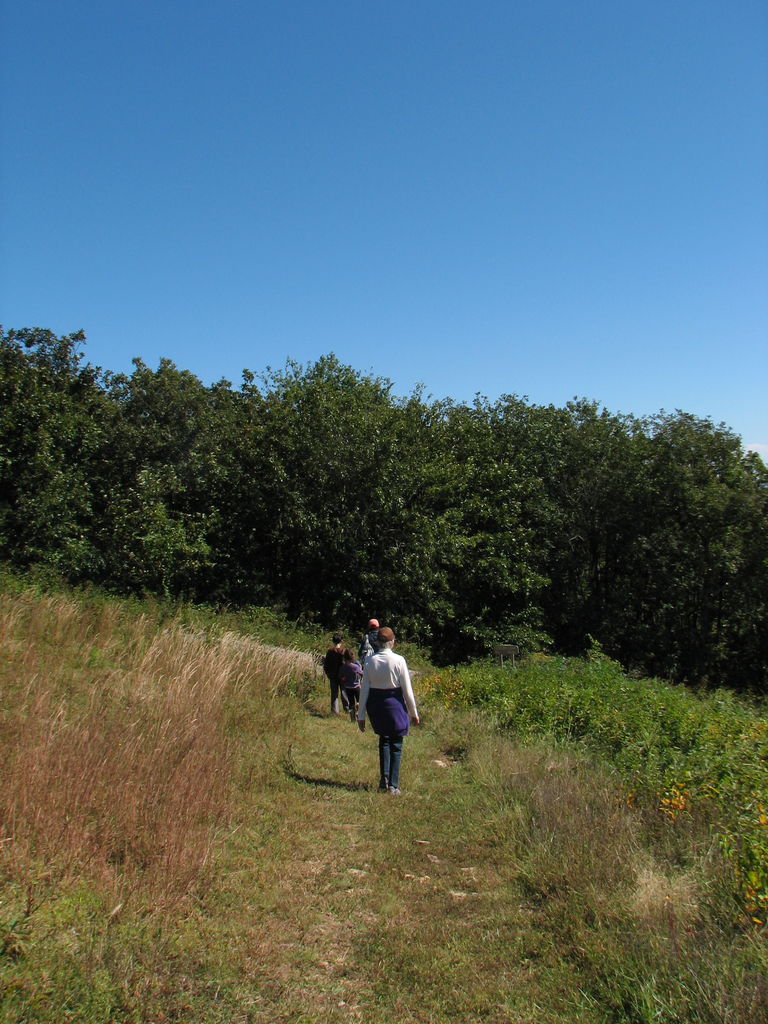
386, 696
350, 675
332, 662
368, 643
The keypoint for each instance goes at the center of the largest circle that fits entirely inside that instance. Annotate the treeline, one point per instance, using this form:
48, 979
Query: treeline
316, 490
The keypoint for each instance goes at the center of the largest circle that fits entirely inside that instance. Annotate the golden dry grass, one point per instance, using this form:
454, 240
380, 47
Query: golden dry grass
115, 756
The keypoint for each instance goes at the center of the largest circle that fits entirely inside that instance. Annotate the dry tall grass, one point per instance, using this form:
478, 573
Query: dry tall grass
114, 755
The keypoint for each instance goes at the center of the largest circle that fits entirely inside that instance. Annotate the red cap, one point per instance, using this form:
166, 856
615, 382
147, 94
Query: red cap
373, 623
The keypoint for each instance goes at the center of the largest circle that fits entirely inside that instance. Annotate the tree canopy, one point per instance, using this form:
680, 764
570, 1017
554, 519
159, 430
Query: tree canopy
316, 489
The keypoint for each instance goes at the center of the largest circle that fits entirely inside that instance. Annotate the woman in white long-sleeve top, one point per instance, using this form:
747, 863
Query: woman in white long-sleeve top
387, 698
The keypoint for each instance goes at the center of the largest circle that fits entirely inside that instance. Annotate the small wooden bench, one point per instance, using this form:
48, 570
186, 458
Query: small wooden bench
502, 651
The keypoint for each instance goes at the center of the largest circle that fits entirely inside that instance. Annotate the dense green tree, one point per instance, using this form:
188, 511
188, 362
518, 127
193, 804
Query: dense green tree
315, 488
704, 552
409, 521
54, 427
492, 560
658, 535
310, 483
595, 479
329, 491
166, 471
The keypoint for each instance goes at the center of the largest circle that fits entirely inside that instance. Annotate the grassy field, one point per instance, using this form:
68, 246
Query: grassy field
689, 754
189, 836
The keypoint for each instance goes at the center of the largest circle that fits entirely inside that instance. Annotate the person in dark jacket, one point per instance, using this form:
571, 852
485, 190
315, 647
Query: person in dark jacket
332, 662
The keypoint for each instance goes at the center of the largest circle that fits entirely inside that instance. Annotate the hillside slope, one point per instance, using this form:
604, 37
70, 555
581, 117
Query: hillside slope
221, 854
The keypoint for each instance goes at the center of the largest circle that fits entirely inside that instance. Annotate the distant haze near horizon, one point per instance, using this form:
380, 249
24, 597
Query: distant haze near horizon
542, 198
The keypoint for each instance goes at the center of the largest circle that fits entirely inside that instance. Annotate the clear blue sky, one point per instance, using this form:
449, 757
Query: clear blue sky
549, 198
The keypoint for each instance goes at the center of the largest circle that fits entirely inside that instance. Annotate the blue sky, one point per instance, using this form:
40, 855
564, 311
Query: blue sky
548, 198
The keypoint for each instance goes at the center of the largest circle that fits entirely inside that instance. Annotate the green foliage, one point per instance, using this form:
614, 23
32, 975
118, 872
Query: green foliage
659, 545
685, 751
54, 421
315, 490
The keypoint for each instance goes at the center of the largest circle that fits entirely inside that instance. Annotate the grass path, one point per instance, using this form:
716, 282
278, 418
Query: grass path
368, 907
509, 884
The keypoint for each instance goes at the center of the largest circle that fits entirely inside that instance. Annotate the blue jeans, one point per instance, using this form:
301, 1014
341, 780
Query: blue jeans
390, 753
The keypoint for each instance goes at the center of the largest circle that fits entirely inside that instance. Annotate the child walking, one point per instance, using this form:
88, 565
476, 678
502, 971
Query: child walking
350, 674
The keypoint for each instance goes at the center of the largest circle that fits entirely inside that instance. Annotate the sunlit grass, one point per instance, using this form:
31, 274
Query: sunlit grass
116, 753
189, 836
691, 755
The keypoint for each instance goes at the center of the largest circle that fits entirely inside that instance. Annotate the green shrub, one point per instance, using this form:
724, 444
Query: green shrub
684, 750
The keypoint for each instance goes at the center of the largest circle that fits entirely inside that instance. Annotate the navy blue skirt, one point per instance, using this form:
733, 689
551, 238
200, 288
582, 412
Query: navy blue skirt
387, 712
